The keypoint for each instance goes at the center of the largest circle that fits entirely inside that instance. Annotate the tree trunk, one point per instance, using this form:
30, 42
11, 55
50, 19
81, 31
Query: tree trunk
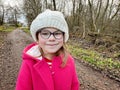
2, 16
54, 4
92, 15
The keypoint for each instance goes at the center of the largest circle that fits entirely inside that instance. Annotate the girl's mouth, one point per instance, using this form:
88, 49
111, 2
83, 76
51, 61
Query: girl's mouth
52, 44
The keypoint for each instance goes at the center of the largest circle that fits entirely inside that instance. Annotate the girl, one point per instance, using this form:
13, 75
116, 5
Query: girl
46, 63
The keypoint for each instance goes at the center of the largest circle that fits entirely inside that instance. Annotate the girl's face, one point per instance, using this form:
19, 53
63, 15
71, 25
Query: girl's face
50, 40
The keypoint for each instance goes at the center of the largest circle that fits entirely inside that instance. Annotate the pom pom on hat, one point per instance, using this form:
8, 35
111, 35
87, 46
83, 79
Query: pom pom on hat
49, 18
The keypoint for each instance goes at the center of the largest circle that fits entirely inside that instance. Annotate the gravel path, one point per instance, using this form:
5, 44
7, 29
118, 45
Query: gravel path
11, 47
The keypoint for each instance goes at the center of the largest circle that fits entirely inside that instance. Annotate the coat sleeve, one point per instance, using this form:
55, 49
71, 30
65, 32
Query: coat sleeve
75, 81
24, 81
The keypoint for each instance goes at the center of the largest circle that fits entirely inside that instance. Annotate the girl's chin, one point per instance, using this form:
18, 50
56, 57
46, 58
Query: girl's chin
50, 52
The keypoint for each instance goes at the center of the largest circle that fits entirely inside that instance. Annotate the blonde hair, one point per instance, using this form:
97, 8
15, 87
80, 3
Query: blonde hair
65, 53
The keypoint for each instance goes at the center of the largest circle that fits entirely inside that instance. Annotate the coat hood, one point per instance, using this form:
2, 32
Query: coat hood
32, 52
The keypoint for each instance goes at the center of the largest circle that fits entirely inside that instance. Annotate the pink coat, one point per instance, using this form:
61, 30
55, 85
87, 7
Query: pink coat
35, 74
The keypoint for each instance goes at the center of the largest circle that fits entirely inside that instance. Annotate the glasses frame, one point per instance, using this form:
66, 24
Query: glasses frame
51, 33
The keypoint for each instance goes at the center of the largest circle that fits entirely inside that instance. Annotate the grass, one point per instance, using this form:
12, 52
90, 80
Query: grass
7, 29
94, 58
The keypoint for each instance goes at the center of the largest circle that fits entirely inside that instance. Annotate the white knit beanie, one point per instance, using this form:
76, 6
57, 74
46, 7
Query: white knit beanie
49, 18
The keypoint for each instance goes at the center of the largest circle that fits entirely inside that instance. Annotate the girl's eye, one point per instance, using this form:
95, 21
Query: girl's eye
45, 33
58, 33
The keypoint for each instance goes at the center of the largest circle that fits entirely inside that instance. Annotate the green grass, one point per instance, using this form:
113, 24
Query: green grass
7, 29
94, 58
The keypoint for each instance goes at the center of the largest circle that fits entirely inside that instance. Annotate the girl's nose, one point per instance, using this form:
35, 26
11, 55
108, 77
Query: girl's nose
51, 37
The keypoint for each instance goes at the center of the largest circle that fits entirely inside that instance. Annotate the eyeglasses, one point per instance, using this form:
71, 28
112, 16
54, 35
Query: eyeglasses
46, 34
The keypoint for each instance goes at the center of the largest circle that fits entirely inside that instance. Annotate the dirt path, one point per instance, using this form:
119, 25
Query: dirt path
10, 57
10, 60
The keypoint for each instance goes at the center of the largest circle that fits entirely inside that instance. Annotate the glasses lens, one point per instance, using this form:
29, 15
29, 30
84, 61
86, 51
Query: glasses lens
58, 34
45, 34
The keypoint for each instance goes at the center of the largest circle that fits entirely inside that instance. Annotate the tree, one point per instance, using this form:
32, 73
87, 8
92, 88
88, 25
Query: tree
96, 16
2, 12
54, 4
12, 14
31, 9
111, 17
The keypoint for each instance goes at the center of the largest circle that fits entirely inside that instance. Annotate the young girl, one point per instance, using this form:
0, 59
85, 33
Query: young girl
46, 64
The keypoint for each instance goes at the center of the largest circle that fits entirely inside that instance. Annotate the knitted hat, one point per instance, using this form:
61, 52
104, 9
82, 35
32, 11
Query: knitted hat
49, 18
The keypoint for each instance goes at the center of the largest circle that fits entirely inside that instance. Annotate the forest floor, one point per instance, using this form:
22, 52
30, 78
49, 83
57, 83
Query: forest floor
11, 46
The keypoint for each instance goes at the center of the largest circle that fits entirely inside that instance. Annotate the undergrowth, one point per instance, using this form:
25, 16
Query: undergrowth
95, 59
